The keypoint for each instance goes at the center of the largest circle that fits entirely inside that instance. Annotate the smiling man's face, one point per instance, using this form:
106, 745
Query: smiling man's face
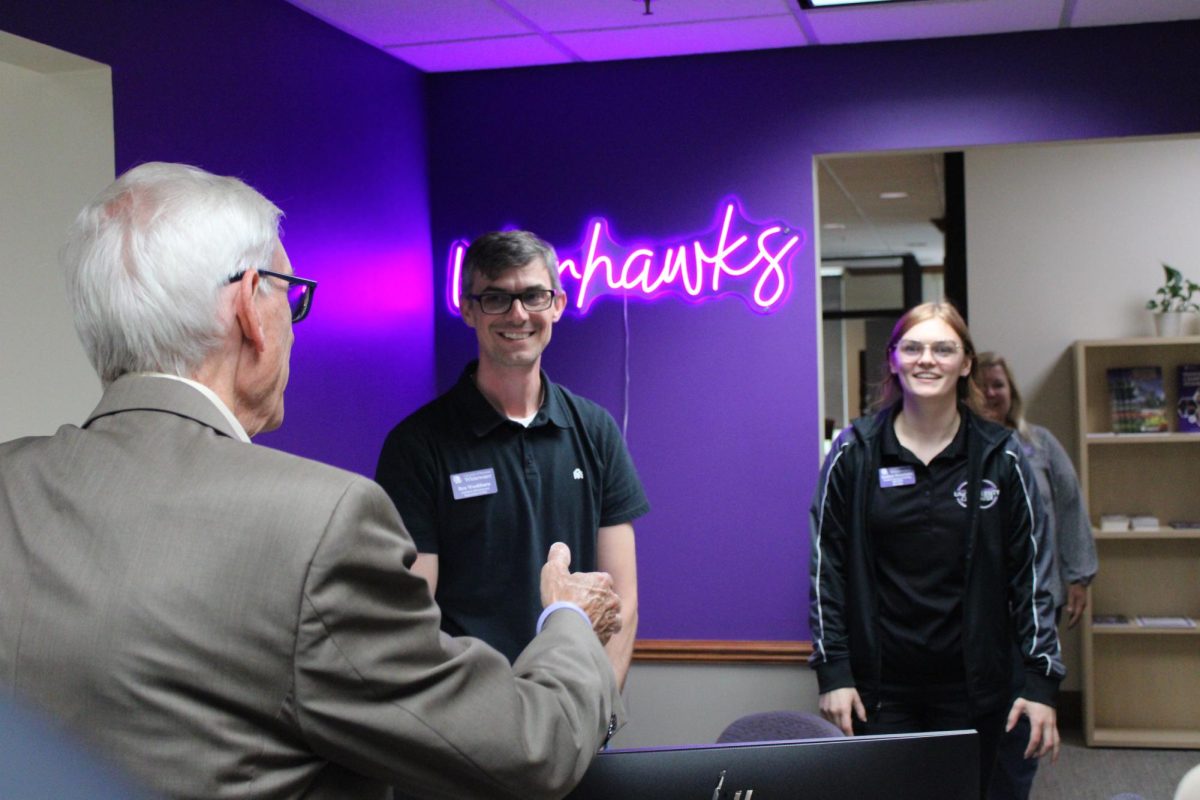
517, 337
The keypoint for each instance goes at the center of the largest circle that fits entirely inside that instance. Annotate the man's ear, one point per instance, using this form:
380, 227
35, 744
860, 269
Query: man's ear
248, 316
466, 310
560, 304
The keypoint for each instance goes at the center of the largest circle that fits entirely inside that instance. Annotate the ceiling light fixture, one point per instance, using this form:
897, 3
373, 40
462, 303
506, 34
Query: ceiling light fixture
809, 5
893, 195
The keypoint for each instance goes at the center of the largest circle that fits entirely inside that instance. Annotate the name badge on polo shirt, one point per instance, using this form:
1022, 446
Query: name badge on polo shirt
475, 483
896, 476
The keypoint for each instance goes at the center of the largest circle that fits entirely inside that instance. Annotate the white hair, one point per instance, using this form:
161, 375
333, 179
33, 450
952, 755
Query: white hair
146, 260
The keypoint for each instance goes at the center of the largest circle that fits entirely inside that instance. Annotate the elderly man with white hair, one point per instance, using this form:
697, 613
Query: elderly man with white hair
227, 620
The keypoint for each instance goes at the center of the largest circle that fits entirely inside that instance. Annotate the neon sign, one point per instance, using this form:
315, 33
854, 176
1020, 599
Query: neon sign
734, 257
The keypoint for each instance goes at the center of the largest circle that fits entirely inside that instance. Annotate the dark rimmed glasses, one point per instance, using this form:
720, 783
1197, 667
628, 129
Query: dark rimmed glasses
501, 302
299, 291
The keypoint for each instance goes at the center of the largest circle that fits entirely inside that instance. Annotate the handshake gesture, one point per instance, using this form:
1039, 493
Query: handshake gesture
591, 591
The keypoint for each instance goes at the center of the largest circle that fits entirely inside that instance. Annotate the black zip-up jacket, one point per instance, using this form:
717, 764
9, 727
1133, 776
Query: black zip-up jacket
1007, 569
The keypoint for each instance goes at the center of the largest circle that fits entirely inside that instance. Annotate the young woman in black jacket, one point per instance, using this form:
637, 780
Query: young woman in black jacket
928, 558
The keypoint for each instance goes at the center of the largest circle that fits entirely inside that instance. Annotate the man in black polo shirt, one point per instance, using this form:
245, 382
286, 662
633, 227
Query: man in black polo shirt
490, 474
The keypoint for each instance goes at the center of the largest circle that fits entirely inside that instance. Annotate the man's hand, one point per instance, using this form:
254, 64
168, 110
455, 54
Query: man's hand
838, 706
1076, 603
591, 591
1043, 727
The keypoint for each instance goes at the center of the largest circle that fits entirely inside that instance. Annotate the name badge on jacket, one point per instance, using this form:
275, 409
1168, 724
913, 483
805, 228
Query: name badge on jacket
475, 483
896, 476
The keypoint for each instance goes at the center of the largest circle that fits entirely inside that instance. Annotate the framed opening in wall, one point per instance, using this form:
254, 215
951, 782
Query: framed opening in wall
889, 227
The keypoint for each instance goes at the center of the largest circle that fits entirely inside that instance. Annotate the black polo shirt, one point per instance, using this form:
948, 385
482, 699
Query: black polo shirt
489, 496
917, 519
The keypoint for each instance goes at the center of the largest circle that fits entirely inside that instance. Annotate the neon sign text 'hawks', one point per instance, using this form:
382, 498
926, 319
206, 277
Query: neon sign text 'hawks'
736, 257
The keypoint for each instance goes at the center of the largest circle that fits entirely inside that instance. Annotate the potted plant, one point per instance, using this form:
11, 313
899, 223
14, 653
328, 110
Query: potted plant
1172, 301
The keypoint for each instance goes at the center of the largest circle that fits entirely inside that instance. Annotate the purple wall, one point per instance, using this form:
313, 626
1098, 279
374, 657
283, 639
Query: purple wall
723, 402
332, 131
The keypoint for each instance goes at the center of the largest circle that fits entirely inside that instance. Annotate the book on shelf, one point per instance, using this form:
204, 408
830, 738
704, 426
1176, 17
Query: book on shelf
1138, 403
1144, 522
1166, 622
1113, 523
1188, 407
1184, 524
1110, 619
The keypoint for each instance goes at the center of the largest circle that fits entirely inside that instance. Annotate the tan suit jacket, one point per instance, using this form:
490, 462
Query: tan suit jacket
228, 620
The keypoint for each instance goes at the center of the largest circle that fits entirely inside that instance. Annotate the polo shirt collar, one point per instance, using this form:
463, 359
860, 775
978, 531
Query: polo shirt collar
889, 445
483, 418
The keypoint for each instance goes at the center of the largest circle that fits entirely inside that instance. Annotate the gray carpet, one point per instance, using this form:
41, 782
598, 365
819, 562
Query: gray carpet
1090, 773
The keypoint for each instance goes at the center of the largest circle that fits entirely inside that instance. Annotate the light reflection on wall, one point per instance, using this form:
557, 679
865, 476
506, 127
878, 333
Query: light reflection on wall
361, 291
363, 358
736, 256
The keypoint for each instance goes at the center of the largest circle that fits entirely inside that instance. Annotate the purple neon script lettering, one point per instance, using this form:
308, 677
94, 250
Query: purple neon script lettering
718, 260
775, 269
457, 251
646, 256
672, 266
759, 275
592, 264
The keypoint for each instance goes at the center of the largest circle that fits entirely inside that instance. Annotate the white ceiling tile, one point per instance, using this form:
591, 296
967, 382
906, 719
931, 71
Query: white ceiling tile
511, 51
932, 19
399, 22
583, 15
700, 37
611, 29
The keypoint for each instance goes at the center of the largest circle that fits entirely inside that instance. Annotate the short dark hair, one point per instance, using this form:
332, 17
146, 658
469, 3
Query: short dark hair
495, 253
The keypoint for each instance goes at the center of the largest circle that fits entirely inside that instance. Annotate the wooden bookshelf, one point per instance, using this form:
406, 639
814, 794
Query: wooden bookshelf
1141, 685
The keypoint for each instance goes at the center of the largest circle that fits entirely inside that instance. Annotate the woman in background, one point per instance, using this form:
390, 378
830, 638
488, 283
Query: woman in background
1068, 536
924, 559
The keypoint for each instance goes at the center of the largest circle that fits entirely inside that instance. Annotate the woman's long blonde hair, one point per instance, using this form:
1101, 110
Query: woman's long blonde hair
1015, 418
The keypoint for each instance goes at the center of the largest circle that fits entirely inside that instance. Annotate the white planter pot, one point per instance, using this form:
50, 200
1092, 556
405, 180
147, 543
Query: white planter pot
1170, 323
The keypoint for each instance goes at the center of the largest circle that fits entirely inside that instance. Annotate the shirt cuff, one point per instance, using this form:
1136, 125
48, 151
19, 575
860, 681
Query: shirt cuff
550, 609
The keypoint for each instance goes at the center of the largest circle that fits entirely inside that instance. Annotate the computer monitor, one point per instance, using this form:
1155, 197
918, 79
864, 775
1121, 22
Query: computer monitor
913, 766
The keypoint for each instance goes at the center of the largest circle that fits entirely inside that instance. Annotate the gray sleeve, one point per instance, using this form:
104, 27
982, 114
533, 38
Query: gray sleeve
379, 689
1076, 547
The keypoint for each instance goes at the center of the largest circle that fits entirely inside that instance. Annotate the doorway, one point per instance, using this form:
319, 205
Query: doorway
891, 237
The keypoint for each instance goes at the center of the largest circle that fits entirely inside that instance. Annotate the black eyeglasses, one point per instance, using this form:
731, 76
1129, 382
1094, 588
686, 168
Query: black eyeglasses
299, 291
501, 302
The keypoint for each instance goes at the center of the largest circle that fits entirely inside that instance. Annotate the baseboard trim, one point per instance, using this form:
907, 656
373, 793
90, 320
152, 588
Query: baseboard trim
722, 651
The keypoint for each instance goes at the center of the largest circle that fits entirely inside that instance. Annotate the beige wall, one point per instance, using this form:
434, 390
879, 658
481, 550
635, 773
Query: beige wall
56, 151
671, 704
1065, 242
